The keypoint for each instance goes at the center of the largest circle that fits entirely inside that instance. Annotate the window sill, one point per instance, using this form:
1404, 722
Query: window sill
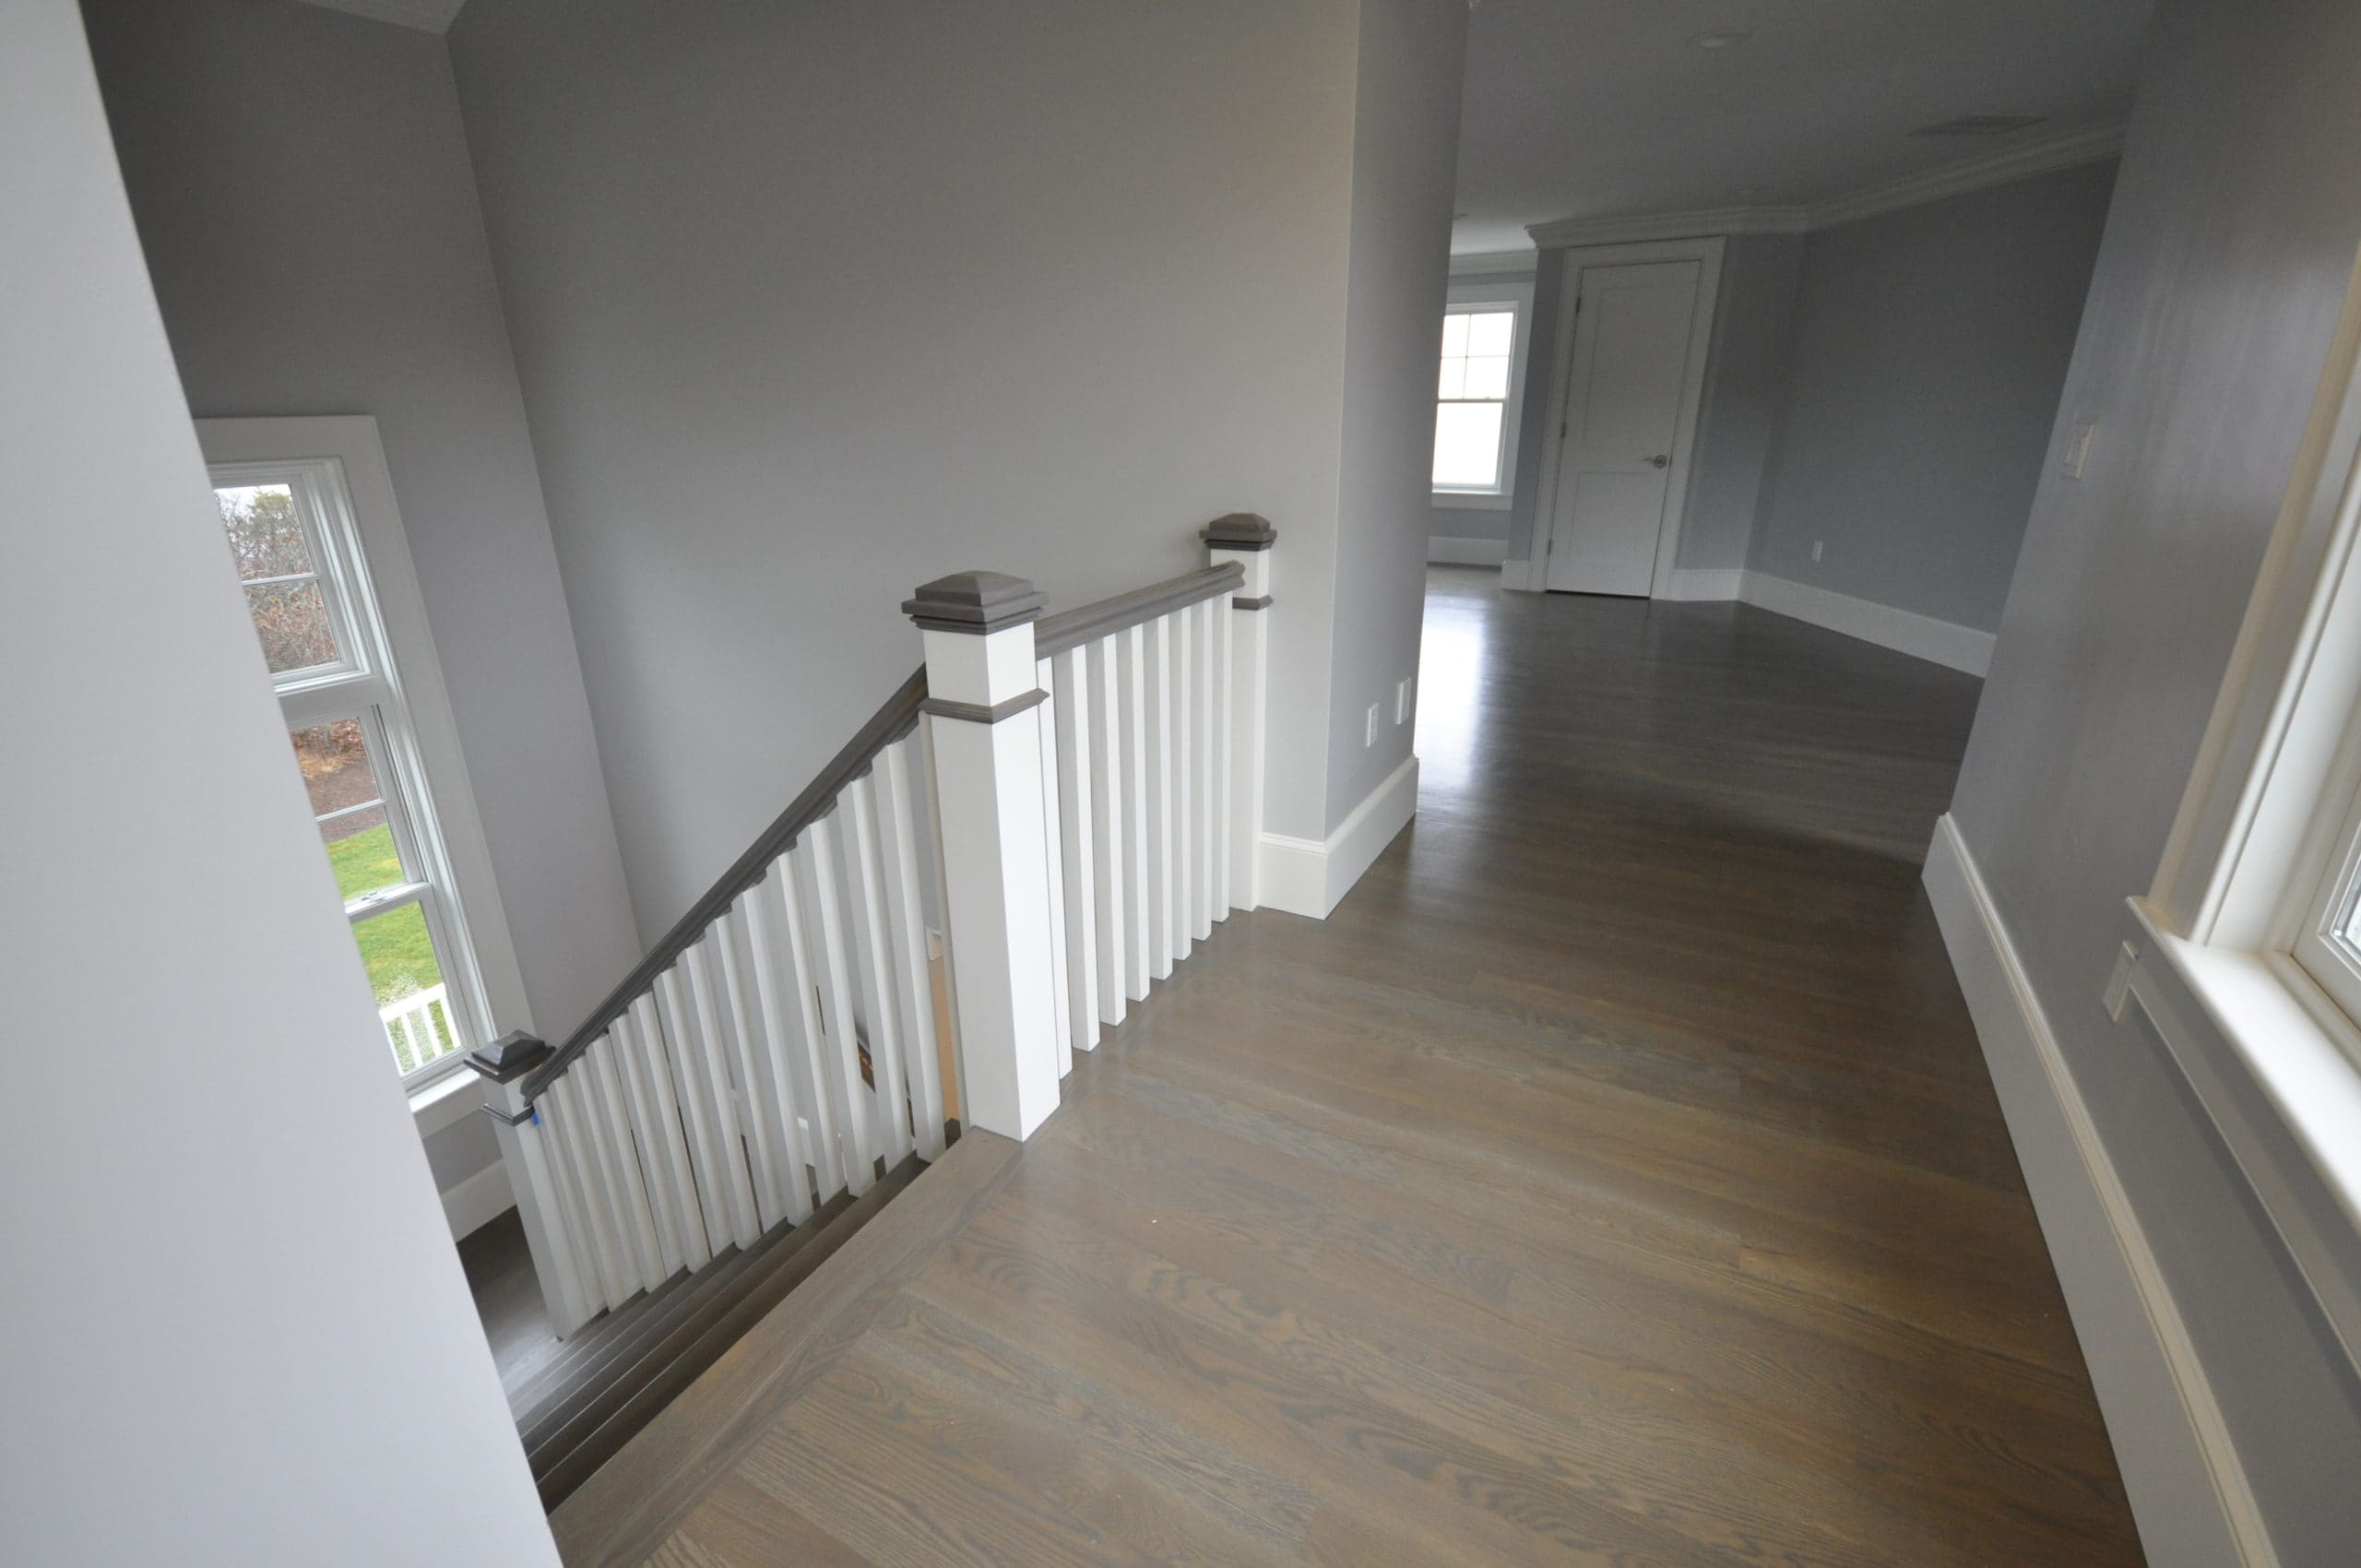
446, 1101
1472, 501
2273, 1074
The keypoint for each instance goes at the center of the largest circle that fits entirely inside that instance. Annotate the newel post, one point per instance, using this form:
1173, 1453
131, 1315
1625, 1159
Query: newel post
503, 1065
984, 712
1246, 538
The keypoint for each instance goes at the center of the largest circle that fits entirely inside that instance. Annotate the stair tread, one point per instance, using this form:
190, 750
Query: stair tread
661, 1350
630, 1491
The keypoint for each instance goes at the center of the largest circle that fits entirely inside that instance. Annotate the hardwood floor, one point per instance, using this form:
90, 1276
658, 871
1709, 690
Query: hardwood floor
1613, 1178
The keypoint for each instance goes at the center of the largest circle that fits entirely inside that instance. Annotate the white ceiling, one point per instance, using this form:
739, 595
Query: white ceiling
1596, 108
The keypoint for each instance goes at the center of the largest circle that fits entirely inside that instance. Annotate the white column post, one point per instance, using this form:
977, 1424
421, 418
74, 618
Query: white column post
983, 710
1246, 538
503, 1065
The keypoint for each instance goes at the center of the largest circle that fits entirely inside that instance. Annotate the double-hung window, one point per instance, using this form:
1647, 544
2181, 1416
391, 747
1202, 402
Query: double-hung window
315, 582
1479, 394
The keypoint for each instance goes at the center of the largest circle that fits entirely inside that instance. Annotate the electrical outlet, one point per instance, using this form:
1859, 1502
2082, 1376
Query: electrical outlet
1815, 549
1371, 738
2078, 449
1401, 699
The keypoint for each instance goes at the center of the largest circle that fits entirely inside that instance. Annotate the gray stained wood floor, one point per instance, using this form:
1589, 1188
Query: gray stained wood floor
1613, 1179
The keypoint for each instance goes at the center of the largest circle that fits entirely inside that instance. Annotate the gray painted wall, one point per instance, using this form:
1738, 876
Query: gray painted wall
304, 198
1745, 397
1745, 394
1929, 347
2224, 261
235, 1320
812, 303
1405, 141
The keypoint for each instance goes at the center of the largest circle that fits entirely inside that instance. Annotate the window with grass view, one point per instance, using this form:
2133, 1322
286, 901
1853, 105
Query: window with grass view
1471, 405
298, 556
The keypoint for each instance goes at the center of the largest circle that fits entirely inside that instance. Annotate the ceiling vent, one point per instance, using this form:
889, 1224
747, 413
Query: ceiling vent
1980, 126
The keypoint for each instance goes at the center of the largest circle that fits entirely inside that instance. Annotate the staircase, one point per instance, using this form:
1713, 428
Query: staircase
612, 1378
1033, 829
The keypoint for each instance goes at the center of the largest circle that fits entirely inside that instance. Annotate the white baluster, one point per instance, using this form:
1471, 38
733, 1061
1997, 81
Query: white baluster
892, 1098
1206, 795
656, 1055
621, 1159
1136, 833
686, 1061
728, 1144
1162, 946
773, 993
750, 1062
1184, 784
907, 917
1053, 850
793, 872
1109, 852
564, 1106
1072, 696
850, 1093
665, 1204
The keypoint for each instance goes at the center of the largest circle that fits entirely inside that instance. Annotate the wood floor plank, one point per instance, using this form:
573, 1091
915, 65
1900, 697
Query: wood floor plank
1613, 1178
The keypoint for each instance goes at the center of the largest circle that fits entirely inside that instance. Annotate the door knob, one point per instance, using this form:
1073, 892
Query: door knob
1659, 460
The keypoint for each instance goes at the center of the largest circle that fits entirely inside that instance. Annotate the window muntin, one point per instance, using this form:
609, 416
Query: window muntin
1472, 397
292, 541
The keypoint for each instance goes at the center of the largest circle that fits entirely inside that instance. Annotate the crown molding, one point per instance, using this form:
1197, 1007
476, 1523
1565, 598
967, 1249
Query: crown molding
1495, 264
1670, 226
2067, 151
426, 15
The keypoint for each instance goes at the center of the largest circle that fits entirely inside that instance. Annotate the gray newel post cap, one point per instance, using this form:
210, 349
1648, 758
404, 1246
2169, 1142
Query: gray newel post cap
974, 601
1239, 530
513, 1055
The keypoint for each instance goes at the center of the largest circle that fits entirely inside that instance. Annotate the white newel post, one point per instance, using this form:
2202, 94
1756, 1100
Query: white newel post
1246, 538
984, 715
504, 1065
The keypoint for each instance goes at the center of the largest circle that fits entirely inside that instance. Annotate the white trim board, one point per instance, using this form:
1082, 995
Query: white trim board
1905, 631
1454, 552
1307, 876
1704, 583
477, 1200
1495, 264
2065, 150
2186, 1485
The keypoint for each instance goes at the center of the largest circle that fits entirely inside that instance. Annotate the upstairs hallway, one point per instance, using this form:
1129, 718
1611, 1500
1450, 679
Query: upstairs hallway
1614, 1177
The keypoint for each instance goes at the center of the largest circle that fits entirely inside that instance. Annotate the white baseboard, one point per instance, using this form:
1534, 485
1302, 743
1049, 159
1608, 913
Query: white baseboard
1922, 636
1453, 552
1519, 576
1704, 582
1307, 876
477, 1200
2187, 1486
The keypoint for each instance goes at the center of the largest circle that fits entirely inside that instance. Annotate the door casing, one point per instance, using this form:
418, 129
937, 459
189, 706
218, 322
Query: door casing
1707, 252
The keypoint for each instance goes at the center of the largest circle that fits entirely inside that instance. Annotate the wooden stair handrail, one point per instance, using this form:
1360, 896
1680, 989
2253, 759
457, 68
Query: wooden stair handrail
890, 723
1088, 623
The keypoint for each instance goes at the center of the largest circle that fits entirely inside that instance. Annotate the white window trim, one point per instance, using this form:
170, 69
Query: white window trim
2261, 846
1517, 296
489, 984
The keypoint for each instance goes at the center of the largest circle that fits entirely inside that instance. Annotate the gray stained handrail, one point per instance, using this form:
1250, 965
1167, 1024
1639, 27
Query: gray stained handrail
1088, 623
889, 724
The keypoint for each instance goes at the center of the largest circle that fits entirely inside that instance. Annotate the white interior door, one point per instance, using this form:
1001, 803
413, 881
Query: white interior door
1625, 403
